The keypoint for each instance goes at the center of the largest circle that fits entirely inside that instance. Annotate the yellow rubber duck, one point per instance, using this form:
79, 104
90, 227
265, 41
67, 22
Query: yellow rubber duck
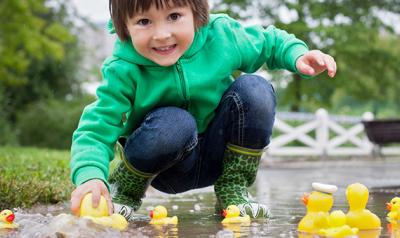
318, 204
7, 220
232, 215
100, 215
358, 216
159, 217
394, 213
337, 226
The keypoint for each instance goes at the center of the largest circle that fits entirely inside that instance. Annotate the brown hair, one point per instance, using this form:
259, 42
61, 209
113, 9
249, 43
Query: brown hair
121, 10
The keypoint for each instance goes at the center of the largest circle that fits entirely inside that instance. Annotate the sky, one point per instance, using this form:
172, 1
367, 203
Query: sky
95, 10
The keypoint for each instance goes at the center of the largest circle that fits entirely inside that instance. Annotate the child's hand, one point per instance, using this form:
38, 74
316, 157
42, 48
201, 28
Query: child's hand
94, 186
315, 62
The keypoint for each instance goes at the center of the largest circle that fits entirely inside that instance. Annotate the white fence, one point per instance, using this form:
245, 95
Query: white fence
321, 134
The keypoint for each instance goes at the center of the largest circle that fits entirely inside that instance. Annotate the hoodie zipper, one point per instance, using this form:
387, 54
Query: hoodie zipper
183, 84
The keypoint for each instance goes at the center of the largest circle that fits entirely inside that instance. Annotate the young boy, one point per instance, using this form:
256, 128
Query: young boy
169, 98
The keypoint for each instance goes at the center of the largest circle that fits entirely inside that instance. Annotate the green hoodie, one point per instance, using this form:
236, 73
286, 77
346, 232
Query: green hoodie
134, 85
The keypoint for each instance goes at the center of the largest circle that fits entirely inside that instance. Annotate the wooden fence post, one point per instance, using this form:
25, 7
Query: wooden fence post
322, 131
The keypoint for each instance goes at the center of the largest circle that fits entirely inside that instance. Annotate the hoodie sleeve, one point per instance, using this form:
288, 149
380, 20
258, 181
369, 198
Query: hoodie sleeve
256, 46
100, 126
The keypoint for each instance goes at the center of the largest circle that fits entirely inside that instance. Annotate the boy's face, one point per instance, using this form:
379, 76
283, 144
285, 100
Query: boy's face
162, 35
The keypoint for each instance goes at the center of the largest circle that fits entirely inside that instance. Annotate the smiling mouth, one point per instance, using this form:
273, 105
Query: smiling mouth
165, 50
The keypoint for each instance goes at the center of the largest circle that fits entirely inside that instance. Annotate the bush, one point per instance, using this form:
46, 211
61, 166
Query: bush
50, 123
7, 134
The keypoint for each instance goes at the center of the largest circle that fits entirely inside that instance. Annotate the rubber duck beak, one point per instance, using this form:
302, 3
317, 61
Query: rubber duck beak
10, 218
151, 214
224, 213
304, 199
388, 206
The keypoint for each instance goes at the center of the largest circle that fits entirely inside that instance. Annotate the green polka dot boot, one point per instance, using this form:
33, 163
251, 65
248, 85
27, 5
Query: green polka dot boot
127, 186
240, 166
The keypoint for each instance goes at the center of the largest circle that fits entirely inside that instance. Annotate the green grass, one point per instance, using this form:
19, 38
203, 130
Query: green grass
29, 176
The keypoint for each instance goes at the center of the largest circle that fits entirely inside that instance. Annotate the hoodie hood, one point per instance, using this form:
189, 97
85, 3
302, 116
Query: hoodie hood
126, 51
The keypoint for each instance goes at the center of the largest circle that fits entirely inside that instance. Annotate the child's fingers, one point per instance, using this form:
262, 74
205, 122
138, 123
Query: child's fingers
330, 65
319, 57
305, 68
106, 194
315, 57
109, 204
75, 203
74, 207
96, 197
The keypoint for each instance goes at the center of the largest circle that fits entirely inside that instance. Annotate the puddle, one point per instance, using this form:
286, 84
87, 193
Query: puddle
280, 187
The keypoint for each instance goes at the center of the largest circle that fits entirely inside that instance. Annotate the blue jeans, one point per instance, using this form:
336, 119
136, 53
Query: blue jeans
167, 142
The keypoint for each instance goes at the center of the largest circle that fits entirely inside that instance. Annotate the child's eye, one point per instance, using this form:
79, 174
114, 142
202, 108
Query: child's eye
143, 22
174, 16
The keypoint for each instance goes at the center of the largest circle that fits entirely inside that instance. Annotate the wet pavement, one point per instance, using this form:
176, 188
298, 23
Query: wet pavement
279, 185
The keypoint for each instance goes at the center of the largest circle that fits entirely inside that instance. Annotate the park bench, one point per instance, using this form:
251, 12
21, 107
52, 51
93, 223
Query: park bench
382, 132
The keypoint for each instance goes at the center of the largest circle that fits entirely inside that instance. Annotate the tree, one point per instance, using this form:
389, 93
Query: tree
355, 32
39, 53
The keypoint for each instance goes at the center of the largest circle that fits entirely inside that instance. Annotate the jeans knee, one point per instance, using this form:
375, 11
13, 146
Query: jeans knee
255, 101
182, 129
256, 94
163, 133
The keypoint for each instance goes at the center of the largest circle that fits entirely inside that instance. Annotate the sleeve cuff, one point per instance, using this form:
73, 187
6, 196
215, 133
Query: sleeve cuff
88, 173
293, 54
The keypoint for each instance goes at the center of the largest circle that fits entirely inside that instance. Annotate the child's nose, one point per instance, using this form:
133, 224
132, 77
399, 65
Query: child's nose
161, 34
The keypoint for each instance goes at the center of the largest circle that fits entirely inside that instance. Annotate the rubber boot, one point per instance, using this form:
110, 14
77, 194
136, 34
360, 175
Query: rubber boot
127, 186
240, 166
